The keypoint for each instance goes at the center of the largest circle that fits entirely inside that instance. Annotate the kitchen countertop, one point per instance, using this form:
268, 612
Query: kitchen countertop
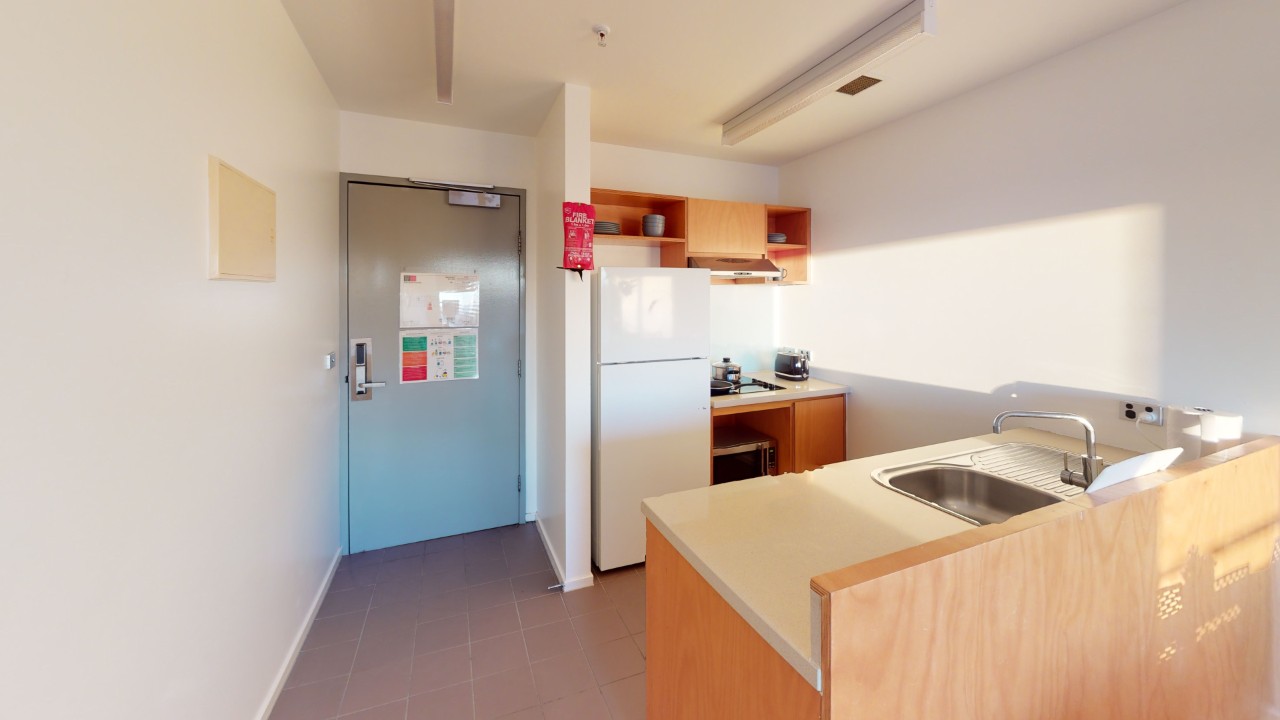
792, 390
759, 542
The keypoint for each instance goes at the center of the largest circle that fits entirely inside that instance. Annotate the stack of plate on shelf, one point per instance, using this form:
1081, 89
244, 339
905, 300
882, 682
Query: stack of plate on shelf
776, 237
608, 228
654, 225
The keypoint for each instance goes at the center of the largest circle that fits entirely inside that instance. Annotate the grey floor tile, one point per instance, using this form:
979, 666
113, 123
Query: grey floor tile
535, 584
394, 592
404, 551
435, 582
437, 670
587, 600
390, 711
375, 687
441, 634
342, 602
498, 654
626, 592
447, 561
625, 698
486, 551
403, 569
490, 594
633, 615
401, 621
527, 562
443, 544
562, 675
547, 641
333, 630
486, 571
599, 627
322, 663
541, 610
310, 702
614, 660
398, 617
493, 621
378, 649
444, 605
586, 705
360, 560
450, 703
640, 640
504, 693
533, 713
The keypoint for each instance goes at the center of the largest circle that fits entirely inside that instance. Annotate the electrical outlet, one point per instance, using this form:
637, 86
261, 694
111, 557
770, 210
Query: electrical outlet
1142, 411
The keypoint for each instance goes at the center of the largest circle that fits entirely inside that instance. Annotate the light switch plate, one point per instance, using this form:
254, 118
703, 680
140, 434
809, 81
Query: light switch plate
331, 361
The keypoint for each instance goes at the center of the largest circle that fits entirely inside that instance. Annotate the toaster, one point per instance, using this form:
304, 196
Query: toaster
791, 364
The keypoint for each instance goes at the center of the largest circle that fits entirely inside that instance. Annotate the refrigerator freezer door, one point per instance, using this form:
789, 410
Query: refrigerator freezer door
652, 314
653, 437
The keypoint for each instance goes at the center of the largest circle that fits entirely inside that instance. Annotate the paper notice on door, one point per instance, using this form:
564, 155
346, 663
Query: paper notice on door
435, 355
439, 300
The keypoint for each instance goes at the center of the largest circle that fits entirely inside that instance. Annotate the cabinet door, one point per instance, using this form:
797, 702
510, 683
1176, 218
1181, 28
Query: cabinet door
819, 432
728, 228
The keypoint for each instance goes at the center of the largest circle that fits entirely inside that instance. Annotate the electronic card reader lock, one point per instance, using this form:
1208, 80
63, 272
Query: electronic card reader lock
362, 369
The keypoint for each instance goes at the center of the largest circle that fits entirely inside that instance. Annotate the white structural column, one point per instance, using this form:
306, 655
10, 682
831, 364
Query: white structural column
563, 302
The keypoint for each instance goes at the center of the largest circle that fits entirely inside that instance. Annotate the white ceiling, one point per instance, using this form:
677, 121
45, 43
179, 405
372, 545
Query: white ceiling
674, 70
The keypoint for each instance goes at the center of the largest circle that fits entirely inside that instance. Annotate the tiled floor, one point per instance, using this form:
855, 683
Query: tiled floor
465, 628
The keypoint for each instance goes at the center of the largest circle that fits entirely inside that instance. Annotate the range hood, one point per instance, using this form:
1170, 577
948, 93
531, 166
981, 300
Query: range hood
737, 267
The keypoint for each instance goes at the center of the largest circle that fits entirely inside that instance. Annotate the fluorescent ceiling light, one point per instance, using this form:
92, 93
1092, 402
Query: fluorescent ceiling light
900, 30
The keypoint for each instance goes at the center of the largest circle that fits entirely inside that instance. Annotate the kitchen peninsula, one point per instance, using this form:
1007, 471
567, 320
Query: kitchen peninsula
827, 594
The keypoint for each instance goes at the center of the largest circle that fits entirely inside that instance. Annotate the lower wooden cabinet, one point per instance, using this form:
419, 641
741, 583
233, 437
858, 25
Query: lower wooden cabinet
705, 662
809, 432
819, 432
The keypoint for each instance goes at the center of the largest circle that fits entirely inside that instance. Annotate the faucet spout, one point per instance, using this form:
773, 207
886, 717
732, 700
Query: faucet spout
1091, 464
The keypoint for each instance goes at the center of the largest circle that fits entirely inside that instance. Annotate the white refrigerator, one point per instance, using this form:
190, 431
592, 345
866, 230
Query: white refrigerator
651, 420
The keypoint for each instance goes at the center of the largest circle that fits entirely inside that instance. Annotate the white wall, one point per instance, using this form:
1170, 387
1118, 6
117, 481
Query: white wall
1102, 223
564, 348
373, 145
743, 323
376, 145
169, 471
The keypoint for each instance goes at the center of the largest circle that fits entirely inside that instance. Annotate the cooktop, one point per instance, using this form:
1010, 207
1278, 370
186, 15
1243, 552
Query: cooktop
751, 385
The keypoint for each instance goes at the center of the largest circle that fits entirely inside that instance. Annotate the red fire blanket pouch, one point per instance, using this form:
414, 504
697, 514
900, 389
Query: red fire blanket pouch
579, 236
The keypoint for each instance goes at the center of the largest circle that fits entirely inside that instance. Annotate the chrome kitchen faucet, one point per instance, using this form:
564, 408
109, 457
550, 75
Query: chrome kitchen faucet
1090, 463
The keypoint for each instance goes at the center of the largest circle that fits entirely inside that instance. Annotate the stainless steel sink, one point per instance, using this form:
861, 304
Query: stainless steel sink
984, 487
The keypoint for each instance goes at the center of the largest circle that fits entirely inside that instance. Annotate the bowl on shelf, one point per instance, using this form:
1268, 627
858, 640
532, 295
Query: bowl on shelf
777, 237
654, 225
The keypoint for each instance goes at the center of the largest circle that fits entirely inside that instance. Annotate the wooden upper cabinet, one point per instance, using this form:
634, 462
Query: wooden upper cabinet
727, 228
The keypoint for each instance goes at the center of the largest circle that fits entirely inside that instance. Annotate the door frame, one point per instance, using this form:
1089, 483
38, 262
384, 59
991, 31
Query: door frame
345, 180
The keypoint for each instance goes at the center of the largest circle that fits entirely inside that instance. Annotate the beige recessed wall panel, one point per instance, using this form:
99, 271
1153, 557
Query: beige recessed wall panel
242, 225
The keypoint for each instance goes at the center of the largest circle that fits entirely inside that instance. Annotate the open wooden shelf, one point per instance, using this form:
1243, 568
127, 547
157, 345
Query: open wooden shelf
793, 255
628, 210
643, 240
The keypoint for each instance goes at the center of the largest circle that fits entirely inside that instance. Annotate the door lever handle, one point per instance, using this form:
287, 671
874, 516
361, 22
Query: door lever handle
362, 368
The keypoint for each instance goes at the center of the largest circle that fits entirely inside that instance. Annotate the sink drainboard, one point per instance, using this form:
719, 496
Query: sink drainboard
1038, 466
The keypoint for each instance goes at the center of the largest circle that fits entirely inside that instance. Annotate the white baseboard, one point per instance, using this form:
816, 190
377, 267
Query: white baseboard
566, 584
287, 666
579, 583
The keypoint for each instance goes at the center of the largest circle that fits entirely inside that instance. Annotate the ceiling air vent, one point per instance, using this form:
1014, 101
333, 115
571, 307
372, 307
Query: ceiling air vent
858, 84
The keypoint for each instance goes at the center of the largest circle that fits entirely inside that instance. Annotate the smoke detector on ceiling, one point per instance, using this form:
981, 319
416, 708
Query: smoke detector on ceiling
602, 31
